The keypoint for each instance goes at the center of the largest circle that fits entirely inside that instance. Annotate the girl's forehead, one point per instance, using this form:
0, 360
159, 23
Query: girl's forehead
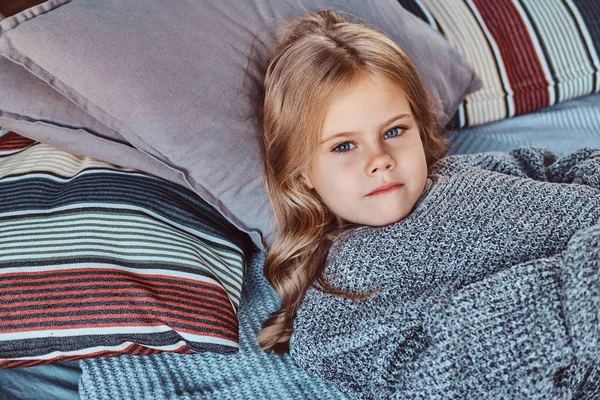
362, 104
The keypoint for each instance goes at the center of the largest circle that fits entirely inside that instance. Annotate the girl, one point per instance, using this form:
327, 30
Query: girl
403, 273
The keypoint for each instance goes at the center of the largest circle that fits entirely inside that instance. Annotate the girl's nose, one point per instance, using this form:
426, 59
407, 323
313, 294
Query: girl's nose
380, 162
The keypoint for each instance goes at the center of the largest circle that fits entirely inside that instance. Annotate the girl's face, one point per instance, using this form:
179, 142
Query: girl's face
370, 166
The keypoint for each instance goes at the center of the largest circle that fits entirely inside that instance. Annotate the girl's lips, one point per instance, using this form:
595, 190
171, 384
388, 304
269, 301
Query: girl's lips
385, 188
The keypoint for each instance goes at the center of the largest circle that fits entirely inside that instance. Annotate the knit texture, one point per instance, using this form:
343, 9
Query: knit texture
489, 289
249, 374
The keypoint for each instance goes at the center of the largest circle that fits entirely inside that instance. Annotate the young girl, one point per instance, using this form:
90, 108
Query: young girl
407, 274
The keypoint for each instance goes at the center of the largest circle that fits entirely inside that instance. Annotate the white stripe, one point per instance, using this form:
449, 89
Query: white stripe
121, 347
207, 339
221, 269
46, 158
461, 115
64, 236
564, 44
83, 331
110, 206
64, 179
468, 37
127, 224
184, 251
105, 331
92, 350
558, 29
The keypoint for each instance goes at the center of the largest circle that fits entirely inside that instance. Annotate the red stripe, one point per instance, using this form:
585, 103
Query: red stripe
198, 296
224, 314
141, 312
137, 311
133, 310
44, 305
82, 273
184, 298
221, 304
98, 276
146, 352
151, 287
11, 142
521, 61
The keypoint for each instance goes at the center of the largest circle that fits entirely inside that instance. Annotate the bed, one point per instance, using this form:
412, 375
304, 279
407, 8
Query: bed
116, 154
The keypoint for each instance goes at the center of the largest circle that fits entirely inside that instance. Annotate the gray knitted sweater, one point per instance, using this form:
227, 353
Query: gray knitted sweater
489, 289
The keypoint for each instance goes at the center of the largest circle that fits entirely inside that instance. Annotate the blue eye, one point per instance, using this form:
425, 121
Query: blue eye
394, 132
343, 147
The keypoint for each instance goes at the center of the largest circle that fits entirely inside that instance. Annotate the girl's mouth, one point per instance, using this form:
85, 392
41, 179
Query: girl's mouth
388, 187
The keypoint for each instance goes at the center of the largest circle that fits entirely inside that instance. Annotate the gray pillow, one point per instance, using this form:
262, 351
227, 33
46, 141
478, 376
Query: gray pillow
34, 109
173, 78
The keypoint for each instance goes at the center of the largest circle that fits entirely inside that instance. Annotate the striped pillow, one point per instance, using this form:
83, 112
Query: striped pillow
98, 260
529, 54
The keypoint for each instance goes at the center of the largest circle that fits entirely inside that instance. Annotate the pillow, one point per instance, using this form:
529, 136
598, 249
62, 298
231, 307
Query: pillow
33, 108
529, 54
174, 79
98, 260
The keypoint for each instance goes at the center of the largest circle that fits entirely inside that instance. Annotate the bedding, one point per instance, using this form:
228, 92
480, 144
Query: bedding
564, 126
561, 128
529, 54
98, 260
179, 80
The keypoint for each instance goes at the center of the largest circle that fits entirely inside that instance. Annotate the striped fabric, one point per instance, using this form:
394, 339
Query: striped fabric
11, 143
98, 260
529, 54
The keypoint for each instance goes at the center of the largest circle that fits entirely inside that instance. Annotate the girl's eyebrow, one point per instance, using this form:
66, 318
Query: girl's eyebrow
389, 121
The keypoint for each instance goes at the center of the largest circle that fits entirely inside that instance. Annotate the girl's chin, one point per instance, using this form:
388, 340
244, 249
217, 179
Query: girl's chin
385, 220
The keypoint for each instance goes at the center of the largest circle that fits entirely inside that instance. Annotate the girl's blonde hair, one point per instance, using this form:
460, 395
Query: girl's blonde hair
317, 57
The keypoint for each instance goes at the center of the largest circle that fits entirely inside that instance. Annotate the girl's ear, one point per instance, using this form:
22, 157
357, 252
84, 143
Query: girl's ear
307, 181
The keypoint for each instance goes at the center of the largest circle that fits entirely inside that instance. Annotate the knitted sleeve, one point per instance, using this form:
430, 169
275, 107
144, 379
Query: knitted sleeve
530, 331
582, 166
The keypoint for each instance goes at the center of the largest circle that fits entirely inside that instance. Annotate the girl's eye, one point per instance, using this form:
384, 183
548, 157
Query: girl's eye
394, 132
343, 147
